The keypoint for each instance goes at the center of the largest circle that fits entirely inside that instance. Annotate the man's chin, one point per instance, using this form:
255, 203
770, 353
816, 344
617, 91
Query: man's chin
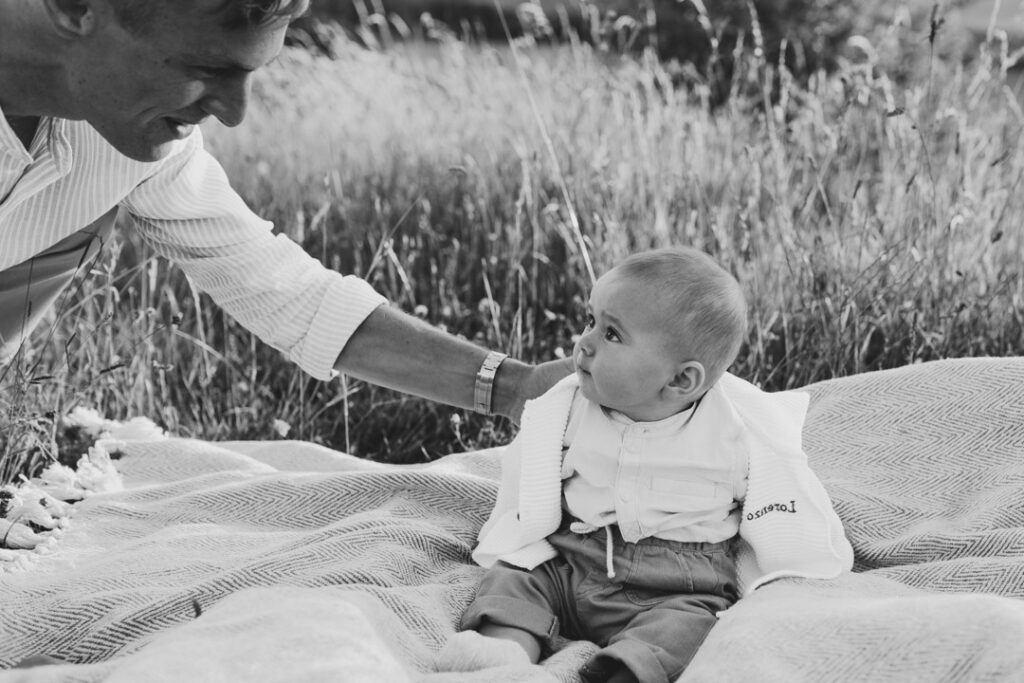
138, 148
145, 152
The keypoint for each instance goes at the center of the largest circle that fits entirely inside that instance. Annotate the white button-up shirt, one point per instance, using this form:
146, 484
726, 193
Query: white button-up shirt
186, 210
653, 478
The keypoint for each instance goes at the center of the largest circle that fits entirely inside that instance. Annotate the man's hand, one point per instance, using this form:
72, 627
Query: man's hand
534, 381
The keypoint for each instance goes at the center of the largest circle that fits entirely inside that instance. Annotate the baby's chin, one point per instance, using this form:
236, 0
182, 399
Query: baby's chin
587, 391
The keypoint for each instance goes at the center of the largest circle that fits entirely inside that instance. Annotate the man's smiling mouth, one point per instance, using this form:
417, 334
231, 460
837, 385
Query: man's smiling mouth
180, 128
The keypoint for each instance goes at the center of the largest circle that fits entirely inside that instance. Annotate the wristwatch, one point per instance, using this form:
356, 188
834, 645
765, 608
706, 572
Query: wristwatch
483, 391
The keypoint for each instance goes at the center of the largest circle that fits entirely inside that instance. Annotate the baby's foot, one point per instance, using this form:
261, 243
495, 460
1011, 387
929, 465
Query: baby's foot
470, 651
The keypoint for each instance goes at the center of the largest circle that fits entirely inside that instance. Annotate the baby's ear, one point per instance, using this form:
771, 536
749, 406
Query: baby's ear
689, 379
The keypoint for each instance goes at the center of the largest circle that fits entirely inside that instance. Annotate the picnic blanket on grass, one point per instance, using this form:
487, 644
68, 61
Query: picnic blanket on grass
286, 561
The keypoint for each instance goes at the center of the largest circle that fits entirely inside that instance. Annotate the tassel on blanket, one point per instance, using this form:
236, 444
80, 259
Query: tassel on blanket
34, 512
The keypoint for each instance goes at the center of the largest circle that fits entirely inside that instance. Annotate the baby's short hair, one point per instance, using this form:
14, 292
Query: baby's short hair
704, 304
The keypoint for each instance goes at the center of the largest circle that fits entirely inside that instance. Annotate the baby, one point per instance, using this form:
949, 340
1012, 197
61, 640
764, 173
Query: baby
649, 491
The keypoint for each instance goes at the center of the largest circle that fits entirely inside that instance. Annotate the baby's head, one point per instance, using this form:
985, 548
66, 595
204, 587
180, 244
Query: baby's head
663, 327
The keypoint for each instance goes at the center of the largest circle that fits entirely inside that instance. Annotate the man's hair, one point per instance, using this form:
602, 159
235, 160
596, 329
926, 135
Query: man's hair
706, 313
137, 16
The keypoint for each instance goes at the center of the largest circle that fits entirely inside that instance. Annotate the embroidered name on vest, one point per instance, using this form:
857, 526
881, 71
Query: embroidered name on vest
774, 507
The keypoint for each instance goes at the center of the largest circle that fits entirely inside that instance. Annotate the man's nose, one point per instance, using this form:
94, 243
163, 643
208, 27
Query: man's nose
229, 99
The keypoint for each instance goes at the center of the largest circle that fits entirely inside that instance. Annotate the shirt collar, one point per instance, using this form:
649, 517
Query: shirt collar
10, 145
51, 138
667, 424
56, 138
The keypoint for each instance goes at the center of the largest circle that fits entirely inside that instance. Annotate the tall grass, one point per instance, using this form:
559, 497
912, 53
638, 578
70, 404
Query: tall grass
872, 222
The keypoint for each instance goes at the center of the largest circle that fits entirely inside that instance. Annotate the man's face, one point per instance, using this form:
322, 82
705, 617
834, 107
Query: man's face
622, 357
143, 91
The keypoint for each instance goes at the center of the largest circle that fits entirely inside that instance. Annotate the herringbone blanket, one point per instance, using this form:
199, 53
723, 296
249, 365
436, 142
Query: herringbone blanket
283, 561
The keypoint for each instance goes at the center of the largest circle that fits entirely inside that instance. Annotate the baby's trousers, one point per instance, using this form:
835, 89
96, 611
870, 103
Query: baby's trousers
650, 618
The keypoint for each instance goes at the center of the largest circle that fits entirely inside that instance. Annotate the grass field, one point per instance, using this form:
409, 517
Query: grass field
873, 223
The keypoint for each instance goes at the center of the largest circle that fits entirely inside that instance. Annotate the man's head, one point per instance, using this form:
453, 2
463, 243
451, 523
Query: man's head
664, 326
143, 73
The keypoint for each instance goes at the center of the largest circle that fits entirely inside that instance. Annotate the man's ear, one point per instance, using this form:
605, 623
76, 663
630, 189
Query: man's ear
72, 18
689, 378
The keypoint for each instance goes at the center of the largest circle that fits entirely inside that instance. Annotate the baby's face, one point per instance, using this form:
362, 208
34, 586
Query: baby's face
622, 360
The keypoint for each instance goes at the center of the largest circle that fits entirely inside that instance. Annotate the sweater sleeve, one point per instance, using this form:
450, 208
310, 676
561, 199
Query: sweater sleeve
496, 531
528, 507
788, 523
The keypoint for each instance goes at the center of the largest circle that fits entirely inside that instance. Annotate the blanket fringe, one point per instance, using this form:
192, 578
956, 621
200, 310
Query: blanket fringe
34, 513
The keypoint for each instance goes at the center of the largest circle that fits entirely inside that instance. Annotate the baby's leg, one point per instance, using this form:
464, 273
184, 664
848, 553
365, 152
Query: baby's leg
657, 644
510, 621
655, 626
473, 651
526, 640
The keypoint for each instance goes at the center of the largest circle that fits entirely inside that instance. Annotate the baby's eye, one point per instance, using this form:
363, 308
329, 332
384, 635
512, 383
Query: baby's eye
590, 322
612, 335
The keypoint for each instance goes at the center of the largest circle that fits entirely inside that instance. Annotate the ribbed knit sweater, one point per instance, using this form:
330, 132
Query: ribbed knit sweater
788, 527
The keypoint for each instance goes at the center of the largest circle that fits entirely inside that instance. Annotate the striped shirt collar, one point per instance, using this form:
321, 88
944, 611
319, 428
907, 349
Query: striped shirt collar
48, 158
10, 145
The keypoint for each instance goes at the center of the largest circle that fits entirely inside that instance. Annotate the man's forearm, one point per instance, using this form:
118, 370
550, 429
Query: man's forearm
398, 351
